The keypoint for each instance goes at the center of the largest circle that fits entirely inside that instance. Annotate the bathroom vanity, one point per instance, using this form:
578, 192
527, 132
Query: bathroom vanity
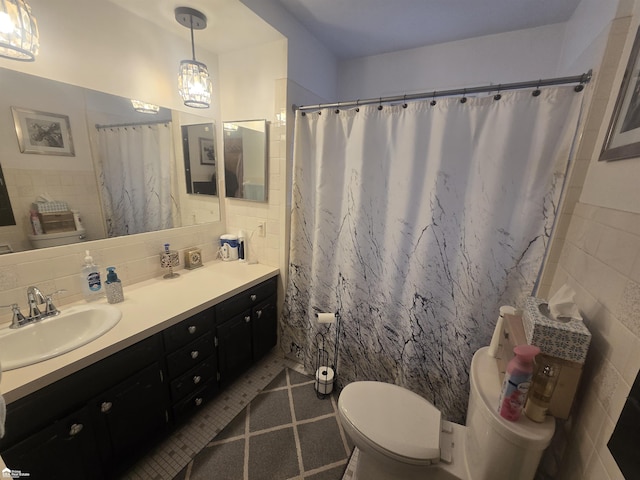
92, 412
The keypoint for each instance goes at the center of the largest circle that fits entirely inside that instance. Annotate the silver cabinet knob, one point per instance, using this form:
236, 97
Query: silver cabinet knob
192, 329
247, 319
106, 407
258, 313
196, 379
195, 354
253, 297
198, 401
75, 429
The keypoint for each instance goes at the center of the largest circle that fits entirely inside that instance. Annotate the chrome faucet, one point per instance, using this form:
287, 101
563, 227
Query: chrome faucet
34, 299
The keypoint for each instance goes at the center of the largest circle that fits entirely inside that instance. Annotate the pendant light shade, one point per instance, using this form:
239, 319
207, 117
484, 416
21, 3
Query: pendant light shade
19, 39
194, 82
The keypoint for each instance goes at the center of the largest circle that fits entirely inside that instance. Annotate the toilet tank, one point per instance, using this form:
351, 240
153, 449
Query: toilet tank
495, 447
57, 239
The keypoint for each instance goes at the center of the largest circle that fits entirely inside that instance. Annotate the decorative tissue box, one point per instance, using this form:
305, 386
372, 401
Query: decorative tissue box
50, 207
567, 340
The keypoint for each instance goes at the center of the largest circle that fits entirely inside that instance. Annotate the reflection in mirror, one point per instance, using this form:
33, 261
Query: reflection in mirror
113, 146
199, 146
245, 159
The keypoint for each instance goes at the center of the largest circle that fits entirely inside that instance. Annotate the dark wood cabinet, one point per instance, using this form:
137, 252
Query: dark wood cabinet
96, 422
66, 449
246, 327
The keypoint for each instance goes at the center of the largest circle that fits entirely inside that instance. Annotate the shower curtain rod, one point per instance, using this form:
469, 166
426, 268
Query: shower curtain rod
138, 124
581, 79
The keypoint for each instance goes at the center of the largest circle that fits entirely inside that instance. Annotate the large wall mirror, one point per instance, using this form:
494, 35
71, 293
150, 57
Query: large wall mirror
123, 175
245, 159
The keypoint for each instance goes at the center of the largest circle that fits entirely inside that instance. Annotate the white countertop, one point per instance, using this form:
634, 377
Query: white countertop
149, 307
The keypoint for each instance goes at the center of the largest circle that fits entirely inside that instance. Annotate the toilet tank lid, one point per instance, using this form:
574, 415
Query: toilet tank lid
394, 418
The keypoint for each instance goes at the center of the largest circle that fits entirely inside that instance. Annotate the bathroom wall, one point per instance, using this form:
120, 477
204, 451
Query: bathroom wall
597, 252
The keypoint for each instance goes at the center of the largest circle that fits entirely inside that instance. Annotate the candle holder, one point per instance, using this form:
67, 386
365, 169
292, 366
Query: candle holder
169, 260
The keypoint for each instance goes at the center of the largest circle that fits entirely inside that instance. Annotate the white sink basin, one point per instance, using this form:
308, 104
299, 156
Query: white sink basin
53, 336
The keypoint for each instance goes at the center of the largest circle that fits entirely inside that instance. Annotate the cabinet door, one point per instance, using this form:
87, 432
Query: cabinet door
131, 417
66, 450
234, 347
264, 327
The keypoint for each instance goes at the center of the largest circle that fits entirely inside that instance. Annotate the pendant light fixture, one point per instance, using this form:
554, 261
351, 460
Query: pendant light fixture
19, 38
194, 83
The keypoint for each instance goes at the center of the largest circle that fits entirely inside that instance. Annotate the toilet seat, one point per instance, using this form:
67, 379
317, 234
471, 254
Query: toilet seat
410, 434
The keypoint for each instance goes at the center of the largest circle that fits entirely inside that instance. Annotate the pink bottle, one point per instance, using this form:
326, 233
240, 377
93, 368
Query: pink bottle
517, 381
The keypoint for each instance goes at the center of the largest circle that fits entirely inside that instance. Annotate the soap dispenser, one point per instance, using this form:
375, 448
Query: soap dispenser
113, 286
91, 283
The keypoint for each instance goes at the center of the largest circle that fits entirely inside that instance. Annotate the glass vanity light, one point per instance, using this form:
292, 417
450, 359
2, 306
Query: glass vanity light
194, 82
143, 107
19, 38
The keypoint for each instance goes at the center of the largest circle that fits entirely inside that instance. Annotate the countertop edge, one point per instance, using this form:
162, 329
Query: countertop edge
140, 301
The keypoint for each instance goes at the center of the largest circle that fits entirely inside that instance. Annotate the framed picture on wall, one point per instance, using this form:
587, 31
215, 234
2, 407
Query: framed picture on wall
207, 154
623, 136
43, 133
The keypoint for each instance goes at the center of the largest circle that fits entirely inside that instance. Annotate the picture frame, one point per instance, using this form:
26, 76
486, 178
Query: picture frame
207, 151
43, 133
623, 135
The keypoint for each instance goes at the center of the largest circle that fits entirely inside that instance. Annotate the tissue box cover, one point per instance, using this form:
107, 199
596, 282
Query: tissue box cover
50, 207
569, 341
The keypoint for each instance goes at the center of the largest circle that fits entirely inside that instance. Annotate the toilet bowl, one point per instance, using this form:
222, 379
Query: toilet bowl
56, 239
400, 435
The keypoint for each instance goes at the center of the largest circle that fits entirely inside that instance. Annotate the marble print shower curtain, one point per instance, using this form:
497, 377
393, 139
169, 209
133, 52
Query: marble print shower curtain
416, 224
134, 169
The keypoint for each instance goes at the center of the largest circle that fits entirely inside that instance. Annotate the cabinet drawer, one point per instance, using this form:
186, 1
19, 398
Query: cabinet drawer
187, 330
245, 300
190, 355
193, 379
194, 402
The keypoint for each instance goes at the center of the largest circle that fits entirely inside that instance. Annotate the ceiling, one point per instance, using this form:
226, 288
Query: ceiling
355, 28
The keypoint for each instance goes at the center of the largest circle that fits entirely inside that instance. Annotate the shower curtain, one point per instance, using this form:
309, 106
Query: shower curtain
416, 224
134, 167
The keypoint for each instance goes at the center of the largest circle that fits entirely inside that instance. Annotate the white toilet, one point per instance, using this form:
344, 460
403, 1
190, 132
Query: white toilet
400, 435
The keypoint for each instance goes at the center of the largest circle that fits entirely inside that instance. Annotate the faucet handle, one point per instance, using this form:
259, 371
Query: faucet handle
18, 318
50, 309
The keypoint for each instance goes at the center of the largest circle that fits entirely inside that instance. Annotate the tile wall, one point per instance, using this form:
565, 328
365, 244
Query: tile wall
596, 251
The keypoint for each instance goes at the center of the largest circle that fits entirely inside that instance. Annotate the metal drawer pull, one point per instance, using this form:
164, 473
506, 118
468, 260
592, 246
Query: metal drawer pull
196, 379
106, 407
75, 429
258, 313
192, 329
253, 297
247, 319
195, 354
198, 401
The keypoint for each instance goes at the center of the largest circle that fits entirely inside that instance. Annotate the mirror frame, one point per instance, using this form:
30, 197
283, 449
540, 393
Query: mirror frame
186, 153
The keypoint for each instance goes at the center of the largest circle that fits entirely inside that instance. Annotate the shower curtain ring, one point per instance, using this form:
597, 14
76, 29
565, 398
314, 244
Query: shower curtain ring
536, 92
464, 96
380, 104
358, 105
433, 99
337, 110
404, 105
497, 96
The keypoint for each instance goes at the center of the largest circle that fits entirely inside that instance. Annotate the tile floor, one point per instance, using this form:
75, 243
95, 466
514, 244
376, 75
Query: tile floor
286, 432
302, 430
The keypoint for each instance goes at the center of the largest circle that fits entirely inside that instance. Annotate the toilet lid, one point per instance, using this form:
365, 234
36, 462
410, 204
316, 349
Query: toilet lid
394, 418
